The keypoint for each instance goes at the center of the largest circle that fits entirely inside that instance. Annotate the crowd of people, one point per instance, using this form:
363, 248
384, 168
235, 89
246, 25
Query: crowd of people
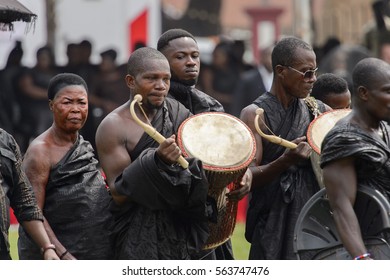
86, 181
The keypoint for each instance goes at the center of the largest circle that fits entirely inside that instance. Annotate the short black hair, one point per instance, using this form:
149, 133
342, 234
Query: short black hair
368, 72
138, 59
62, 80
284, 51
328, 83
170, 35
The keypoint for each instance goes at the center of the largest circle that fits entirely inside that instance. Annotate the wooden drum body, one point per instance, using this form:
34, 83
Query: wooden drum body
316, 133
226, 147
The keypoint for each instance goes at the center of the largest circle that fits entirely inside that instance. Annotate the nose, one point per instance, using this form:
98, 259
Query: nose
161, 84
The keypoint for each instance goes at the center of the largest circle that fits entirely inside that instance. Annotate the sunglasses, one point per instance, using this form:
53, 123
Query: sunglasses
307, 75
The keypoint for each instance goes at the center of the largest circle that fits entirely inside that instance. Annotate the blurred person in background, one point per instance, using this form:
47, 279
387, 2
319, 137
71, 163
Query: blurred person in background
254, 82
8, 105
220, 78
31, 94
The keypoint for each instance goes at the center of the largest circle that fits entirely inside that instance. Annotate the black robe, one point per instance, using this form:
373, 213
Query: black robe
76, 207
274, 208
372, 154
166, 216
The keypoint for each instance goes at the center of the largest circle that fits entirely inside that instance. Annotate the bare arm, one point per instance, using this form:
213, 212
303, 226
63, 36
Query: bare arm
341, 191
113, 155
37, 232
263, 174
37, 166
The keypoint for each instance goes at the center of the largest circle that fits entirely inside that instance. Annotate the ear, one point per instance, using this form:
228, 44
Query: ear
279, 70
51, 104
363, 93
130, 81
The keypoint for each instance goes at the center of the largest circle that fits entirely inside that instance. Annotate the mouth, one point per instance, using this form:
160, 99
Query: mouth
192, 72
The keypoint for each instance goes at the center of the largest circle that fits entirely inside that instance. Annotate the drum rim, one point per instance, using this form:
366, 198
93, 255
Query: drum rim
215, 168
309, 137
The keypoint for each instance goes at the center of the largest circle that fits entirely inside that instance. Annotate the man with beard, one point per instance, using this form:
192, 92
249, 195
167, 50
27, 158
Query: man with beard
159, 208
355, 153
182, 51
283, 180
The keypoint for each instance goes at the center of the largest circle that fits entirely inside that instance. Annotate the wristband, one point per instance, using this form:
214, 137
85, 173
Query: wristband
48, 247
63, 254
365, 255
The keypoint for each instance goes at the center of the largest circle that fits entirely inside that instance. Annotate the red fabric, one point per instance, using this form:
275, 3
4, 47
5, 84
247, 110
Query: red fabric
13, 219
241, 210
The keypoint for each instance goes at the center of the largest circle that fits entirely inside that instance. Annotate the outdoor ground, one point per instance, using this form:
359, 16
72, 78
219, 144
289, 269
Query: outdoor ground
240, 245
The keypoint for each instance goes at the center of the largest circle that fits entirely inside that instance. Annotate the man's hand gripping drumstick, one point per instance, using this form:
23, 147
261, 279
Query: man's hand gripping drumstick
150, 130
304, 150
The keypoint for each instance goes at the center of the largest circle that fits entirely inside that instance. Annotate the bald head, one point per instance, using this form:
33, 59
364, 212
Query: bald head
138, 60
368, 72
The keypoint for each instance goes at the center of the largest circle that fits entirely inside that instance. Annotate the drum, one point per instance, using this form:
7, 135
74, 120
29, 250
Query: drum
226, 147
316, 132
316, 235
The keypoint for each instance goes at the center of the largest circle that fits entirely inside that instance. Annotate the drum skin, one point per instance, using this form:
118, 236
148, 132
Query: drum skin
316, 133
226, 147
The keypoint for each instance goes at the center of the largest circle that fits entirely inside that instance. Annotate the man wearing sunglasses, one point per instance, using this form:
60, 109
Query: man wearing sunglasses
283, 180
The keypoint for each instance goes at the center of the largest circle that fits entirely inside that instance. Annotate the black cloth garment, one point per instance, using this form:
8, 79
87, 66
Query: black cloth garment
165, 217
76, 207
15, 191
193, 99
199, 102
274, 208
372, 154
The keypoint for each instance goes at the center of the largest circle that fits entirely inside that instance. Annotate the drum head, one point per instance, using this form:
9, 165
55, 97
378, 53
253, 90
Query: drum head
219, 140
321, 125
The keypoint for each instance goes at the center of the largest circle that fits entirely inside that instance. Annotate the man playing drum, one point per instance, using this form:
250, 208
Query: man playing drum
159, 208
356, 151
182, 51
283, 180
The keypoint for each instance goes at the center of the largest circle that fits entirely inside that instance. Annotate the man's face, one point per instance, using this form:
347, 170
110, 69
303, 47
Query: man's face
183, 56
70, 108
152, 84
338, 100
378, 100
294, 80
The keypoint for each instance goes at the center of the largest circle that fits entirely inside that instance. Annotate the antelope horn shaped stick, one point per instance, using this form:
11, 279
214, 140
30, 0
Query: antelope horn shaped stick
272, 138
150, 130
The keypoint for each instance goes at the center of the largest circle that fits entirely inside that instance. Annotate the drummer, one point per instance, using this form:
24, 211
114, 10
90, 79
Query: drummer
158, 207
182, 51
282, 180
357, 149
332, 90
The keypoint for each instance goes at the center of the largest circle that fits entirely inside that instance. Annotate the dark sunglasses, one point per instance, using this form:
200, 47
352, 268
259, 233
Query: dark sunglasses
307, 75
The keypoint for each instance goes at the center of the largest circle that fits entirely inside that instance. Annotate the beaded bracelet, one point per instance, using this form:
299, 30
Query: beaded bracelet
365, 255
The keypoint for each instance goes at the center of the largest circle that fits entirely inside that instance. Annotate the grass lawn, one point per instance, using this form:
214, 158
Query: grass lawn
240, 245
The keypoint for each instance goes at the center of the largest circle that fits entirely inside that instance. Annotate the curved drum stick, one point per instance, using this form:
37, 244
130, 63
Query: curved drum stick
272, 138
150, 130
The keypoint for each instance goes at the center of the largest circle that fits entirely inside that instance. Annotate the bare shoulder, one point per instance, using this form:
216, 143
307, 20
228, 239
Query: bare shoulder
248, 113
38, 154
110, 130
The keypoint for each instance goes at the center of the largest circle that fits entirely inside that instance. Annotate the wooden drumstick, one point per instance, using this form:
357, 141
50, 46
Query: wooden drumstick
150, 130
272, 138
